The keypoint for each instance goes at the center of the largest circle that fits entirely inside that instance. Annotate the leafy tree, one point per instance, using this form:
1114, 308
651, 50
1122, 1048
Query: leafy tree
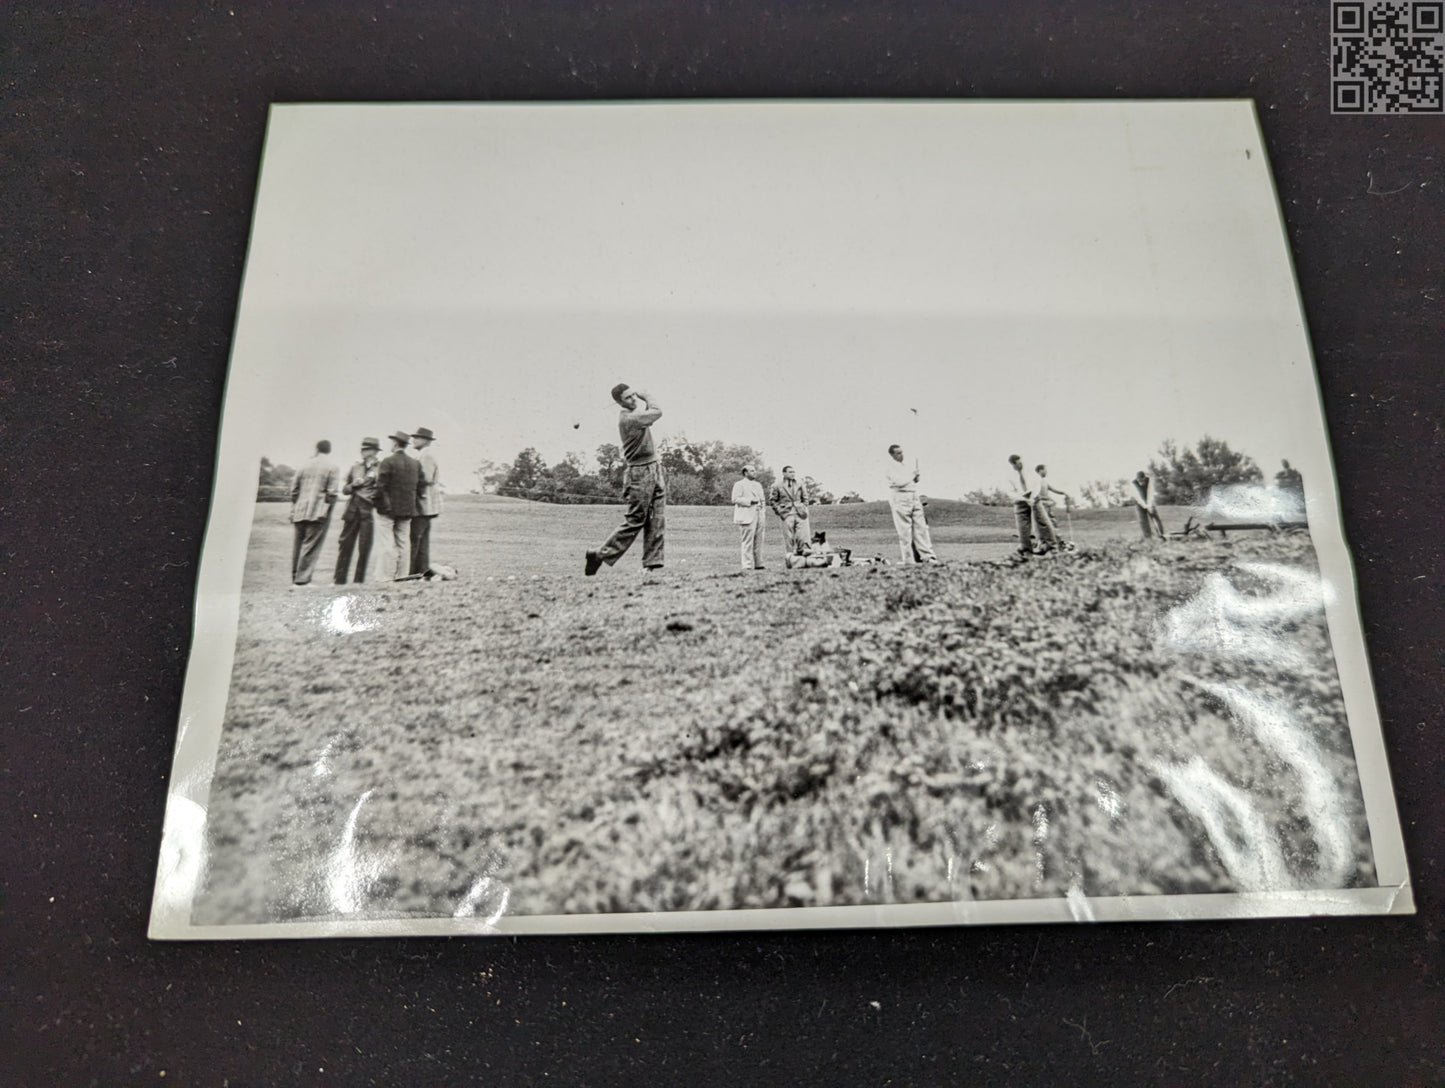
1101, 494
491, 475
274, 484
528, 477
609, 463
989, 496
815, 494
850, 496
703, 473
1186, 475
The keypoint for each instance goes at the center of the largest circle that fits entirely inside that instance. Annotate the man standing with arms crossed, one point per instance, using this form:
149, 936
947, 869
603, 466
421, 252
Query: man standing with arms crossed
312, 494
914, 541
789, 501
749, 517
643, 488
398, 497
357, 522
431, 502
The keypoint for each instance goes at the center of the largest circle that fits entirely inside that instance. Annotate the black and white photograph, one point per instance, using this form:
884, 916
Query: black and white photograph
727, 515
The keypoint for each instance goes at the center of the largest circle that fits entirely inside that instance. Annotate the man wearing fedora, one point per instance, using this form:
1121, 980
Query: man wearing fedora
431, 501
356, 523
398, 498
312, 493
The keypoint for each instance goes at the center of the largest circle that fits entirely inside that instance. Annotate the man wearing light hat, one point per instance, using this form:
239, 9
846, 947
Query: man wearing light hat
398, 498
357, 522
431, 501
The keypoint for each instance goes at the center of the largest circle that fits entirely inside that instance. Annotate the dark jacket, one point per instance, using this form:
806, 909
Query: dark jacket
399, 486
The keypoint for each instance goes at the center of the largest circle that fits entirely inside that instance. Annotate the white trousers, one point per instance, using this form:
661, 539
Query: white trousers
752, 549
912, 528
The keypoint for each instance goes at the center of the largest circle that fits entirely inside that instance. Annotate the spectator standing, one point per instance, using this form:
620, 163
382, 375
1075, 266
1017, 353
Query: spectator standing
398, 497
357, 523
789, 500
313, 492
748, 504
431, 501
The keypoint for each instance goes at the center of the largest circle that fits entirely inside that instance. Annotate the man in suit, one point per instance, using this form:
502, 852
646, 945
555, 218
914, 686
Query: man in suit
398, 498
357, 522
789, 501
312, 493
643, 488
431, 501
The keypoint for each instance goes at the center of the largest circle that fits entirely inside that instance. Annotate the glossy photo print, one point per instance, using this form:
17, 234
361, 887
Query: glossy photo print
640, 517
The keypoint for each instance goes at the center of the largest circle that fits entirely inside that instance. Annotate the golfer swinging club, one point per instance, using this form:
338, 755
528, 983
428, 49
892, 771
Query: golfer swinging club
914, 541
643, 489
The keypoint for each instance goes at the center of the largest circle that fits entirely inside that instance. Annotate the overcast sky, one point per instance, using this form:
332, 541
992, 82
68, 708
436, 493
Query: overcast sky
1072, 282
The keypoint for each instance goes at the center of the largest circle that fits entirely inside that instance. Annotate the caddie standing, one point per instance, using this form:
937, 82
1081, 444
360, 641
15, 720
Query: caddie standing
789, 501
643, 488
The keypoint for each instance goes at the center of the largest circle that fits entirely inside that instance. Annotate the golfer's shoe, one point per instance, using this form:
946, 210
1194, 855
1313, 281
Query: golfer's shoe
594, 564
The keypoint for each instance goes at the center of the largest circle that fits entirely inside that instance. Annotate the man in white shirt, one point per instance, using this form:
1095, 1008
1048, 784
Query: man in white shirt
1023, 497
1043, 512
914, 543
1145, 505
748, 506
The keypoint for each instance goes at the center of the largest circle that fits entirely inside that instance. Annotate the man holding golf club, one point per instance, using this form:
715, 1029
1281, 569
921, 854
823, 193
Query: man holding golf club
914, 543
643, 488
1043, 512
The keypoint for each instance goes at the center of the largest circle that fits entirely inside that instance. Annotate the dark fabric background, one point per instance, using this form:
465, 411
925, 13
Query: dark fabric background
128, 158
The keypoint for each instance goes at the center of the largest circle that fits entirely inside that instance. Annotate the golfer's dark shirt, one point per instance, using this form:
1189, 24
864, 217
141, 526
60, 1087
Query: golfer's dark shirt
637, 448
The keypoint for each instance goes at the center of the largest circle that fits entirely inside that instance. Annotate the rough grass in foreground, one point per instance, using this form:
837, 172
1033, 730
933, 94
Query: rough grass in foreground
1124, 720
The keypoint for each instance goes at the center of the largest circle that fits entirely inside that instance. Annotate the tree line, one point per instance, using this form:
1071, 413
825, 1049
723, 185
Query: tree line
1183, 476
698, 474
703, 474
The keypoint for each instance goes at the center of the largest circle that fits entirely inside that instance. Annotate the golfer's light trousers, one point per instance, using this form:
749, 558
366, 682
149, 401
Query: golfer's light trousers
752, 550
912, 528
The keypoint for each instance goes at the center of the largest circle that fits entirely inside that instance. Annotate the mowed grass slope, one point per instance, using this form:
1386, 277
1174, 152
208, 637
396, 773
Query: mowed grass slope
1129, 719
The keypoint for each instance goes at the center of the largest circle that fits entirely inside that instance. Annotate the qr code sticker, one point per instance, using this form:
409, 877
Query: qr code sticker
1387, 56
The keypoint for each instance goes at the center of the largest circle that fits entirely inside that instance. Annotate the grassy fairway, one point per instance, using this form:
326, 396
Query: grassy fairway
1125, 720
